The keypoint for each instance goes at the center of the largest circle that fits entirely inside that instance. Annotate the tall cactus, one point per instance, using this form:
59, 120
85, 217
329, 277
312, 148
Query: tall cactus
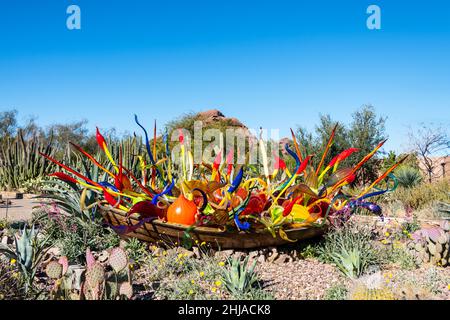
20, 160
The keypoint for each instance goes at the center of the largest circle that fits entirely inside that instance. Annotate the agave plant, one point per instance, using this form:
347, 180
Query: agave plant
240, 278
28, 252
408, 177
349, 262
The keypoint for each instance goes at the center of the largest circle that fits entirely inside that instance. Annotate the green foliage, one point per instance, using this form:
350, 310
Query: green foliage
408, 177
68, 197
136, 250
8, 123
72, 236
350, 248
173, 274
397, 255
349, 262
316, 143
409, 227
422, 195
73, 228
364, 133
239, 278
336, 292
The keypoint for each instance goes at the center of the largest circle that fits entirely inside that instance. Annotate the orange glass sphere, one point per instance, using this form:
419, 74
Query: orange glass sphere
182, 211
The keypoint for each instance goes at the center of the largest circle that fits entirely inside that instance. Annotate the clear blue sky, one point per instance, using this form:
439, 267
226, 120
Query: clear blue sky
274, 64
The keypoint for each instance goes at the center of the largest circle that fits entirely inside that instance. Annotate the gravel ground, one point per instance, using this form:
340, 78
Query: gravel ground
427, 282
20, 209
299, 280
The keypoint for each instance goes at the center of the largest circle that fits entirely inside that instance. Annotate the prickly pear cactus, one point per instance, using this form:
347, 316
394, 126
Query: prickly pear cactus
111, 285
65, 264
432, 245
118, 259
54, 270
95, 275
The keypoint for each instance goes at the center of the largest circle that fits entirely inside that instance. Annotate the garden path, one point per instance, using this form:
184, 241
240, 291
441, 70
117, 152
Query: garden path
19, 209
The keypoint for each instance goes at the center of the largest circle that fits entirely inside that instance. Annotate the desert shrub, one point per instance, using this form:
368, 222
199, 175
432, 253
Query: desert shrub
175, 274
72, 236
408, 177
336, 292
422, 195
409, 227
398, 255
136, 250
310, 250
351, 248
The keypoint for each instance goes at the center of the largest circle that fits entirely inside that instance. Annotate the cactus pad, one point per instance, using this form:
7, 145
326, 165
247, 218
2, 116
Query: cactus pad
54, 270
95, 275
118, 259
65, 264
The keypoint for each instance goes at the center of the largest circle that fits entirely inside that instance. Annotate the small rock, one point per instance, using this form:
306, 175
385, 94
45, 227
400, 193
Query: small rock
185, 252
5, 240
103, 256
253, 254
261, 259
157, 251
122, 243
238, 255
273, 254
282, 258
223, 254
197, 252
54, 251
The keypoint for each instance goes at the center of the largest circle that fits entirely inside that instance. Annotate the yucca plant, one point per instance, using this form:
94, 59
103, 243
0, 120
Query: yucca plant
408, 177
239, 278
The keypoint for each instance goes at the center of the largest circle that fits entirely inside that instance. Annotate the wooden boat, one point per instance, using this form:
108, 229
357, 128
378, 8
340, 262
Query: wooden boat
172, 233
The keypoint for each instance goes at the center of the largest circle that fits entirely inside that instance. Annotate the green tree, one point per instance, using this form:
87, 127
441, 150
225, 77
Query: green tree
366, 131
8, 123
323, 131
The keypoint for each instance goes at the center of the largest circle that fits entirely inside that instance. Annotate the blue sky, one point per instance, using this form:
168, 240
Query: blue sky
274, 64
